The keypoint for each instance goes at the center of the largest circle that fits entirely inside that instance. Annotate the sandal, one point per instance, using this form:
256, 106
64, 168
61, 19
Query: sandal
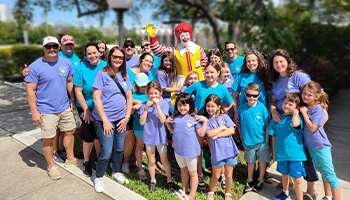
181, 195
228, 196
210, 196
142, 174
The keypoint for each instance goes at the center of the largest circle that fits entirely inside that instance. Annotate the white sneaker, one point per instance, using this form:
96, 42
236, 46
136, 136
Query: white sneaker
98, 185
120, 178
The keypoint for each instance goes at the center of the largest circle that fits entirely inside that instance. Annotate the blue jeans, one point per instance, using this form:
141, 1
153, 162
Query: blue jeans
109, 145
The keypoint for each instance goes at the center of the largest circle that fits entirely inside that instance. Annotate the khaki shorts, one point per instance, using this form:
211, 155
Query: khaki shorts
63, 120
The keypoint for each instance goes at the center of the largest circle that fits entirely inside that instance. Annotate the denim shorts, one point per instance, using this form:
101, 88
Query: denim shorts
260, 152
227, 161
295, 169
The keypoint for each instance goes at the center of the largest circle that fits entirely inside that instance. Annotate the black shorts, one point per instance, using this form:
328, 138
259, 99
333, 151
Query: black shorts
130, 125
89, 129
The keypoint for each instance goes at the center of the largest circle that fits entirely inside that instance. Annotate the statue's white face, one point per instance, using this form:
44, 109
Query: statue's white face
184, 38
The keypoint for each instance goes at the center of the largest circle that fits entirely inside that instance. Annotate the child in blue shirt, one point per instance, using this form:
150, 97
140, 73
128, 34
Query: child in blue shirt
223, 148
315, 137
287, 146
186, 127
153, 115
254, 118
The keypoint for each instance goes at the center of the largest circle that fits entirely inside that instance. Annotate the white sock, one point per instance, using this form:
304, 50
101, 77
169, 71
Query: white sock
169, 181
329, 197
222, 175
154, 181
286, 192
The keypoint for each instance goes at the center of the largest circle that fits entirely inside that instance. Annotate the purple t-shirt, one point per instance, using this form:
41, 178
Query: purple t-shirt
317, 139
133, 62
185, 137
165, 83
228, 85
51, 80
113, 101
154, 131
288, 84
223, 147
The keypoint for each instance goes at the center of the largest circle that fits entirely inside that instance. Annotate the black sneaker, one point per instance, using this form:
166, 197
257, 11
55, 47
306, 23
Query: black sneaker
280, 186
56, 158
258, 185
88, 171
63, 155
249, 186
152, 187
222, 181
267, 178
171, 187
201, 184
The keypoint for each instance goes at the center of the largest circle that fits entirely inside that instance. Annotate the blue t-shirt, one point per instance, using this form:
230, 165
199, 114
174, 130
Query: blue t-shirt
51, 80
235, 65
133, 62
136, 124
113, 101
185, 137
202, 91
84, 77
154, 131
317, 139
289, 140
74, 59
223, 147
165, 83
286, 84
242, 80
132, 77
253, 123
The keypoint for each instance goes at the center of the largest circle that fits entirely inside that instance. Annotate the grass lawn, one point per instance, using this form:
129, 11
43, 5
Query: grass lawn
141, 187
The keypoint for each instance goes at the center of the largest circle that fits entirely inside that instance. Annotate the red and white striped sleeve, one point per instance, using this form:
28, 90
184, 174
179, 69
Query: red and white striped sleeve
204, 59
158, 49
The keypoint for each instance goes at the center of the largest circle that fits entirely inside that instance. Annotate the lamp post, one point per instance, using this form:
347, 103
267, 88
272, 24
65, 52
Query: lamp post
120, 6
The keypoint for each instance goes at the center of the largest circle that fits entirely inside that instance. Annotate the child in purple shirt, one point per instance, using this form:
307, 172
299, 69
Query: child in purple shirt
185, 127
223, 149
152, 117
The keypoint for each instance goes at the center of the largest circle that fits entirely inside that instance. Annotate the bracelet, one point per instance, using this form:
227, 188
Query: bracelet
127, 116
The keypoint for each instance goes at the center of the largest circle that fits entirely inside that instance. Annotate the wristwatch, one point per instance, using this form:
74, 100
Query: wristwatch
127, 116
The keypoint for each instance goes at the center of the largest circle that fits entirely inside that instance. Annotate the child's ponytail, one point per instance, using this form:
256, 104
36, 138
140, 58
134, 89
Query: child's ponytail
324, 101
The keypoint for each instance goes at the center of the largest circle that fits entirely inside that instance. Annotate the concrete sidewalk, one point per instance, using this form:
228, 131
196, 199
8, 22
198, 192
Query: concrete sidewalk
338, 130
23, 167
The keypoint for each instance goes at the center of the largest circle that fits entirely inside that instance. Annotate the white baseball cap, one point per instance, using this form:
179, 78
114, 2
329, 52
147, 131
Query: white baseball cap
141, 79
50, 39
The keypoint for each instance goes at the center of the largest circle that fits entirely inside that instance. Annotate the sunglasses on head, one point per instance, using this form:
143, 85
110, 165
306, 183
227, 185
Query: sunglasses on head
67, 39
232, 49
119, 57
252, 95
143, 46
129, 45
54, 46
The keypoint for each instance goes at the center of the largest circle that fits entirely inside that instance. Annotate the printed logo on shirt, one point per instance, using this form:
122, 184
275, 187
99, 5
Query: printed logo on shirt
189, 124
76, 63
63, 71
290, 85
237, 69
291, 127
258, 117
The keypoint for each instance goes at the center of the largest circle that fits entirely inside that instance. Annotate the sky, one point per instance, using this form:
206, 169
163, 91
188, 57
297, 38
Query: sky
70, 18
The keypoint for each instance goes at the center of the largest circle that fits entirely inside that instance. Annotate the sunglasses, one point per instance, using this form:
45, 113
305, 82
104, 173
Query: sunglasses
167, 61
232, 49
129, 45
252, 95
67, 39
119, 57
143, 46
48, 47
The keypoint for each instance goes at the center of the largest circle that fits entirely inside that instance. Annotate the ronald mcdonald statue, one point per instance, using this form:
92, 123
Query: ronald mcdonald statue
189, 56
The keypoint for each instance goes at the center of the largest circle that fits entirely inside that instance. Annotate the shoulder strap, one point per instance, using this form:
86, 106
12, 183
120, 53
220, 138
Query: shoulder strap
119, 86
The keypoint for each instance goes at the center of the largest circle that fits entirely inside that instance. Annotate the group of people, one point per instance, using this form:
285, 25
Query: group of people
130, 103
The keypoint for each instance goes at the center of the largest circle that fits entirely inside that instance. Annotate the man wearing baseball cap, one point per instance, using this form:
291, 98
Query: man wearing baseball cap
67, 47
129, 48
47, 83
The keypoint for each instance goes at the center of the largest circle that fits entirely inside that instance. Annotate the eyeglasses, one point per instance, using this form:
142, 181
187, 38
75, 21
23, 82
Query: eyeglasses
148, 61
54, 46
168, 61
143, 46
232, 49
129, 45
119, 57
252, 95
